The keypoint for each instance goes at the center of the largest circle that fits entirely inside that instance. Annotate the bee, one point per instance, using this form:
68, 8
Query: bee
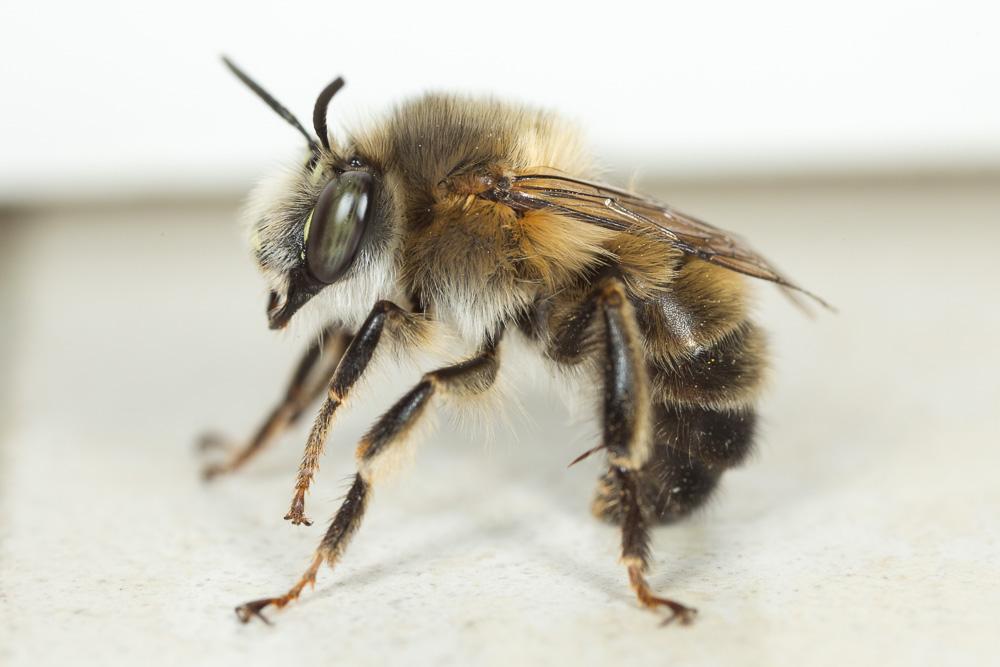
486, 218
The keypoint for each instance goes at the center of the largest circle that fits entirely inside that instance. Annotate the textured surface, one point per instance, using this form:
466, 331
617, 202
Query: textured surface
863, 532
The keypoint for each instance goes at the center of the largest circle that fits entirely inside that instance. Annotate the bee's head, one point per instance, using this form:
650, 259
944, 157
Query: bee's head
313, 227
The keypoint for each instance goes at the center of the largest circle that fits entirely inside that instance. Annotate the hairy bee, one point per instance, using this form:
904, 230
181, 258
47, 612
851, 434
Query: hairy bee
483, 216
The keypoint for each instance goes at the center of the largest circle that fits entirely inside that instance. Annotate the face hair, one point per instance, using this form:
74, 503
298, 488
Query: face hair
319, 111
278, 107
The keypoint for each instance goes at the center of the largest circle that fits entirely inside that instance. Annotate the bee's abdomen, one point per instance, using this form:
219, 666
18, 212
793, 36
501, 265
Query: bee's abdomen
692, 447
726, 375
705, 420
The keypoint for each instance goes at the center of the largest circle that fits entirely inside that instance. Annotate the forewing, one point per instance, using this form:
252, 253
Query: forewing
620, 210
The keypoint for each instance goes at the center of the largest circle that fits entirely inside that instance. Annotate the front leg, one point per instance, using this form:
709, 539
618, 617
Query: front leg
385, 317
386, 438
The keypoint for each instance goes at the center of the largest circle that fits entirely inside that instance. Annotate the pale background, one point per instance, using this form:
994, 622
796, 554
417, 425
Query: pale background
860, 146
106, 98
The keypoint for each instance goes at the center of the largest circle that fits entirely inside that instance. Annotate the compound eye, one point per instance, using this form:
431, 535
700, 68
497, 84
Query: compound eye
334, 228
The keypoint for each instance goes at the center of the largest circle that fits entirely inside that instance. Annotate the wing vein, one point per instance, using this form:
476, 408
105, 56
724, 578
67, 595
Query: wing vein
623, 211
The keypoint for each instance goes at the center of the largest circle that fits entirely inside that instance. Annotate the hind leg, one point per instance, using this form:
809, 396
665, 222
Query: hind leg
605, 324
693, 447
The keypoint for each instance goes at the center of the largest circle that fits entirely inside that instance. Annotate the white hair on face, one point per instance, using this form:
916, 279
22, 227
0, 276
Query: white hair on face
258, 215
349, 300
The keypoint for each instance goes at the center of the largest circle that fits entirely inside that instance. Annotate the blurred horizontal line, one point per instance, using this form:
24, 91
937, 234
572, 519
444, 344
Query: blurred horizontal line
230, 195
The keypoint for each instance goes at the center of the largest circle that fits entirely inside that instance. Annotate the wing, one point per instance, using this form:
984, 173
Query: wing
624, 211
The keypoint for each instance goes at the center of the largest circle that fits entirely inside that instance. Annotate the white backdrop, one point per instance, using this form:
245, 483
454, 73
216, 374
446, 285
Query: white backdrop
104, 97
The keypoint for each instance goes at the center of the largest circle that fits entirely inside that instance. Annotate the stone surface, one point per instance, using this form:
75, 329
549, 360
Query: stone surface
864, 532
